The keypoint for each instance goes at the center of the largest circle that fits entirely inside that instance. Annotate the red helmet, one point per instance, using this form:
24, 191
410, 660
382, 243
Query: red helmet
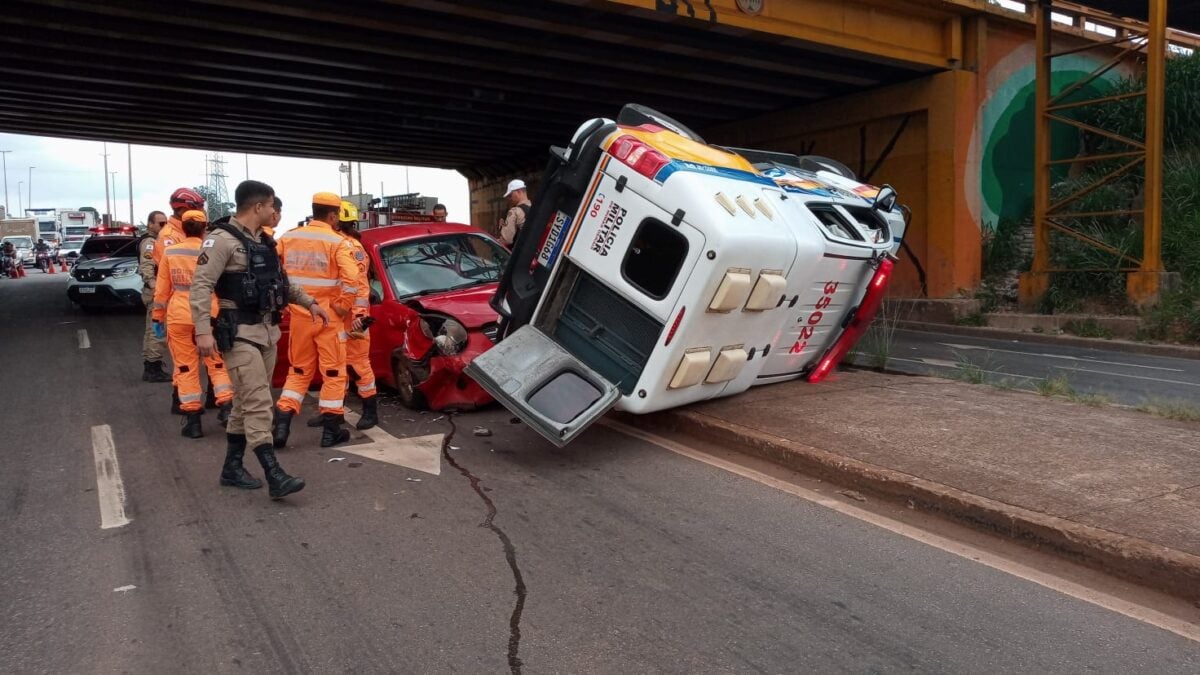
186, 198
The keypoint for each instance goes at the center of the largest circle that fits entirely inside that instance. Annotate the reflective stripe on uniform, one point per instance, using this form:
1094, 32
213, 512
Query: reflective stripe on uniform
190, 252
349, 289
312, 281
189, 398
326, 403
182, 287
222, 388
361, 302
366, 386
314, 235
295, 396
343, 335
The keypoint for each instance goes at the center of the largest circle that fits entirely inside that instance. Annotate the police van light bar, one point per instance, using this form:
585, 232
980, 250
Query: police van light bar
638, 156
858, 324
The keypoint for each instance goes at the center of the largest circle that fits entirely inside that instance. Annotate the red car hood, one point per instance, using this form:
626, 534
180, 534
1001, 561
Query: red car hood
469, 306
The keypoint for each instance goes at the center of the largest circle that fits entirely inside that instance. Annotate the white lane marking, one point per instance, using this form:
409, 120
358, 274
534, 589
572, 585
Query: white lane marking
1061, 356
124, 589
1075, 590
109, 488
947, 364
84, 342
420, 453
1132, 377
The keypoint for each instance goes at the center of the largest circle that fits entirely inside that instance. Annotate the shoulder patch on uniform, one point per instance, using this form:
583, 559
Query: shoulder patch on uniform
359, 256
208, 243
168, 242
203, 259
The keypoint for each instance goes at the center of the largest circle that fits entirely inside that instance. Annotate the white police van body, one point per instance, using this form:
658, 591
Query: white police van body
655, 271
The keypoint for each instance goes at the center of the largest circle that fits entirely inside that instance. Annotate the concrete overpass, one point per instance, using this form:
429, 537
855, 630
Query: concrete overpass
899, 90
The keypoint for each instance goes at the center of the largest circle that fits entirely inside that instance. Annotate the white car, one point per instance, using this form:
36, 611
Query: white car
106, 274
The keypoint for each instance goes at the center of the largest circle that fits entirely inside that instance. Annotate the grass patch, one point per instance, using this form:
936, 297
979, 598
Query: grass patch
878, 344
1056, 386
976, 319
1092, 400
1181, 411
1088, 328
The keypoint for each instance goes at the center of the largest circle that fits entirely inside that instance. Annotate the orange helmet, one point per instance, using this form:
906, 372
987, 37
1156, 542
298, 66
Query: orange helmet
186, 198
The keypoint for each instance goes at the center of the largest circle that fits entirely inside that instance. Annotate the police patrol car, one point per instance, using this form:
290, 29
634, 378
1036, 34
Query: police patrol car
656, 270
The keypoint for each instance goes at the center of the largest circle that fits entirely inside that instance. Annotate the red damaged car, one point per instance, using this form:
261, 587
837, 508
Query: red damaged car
430, 288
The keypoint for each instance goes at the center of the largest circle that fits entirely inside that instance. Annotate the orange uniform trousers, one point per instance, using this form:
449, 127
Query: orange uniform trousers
181, 339
312, 346
358, 357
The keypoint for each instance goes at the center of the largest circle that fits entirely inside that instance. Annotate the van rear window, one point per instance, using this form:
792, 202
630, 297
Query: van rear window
654, 258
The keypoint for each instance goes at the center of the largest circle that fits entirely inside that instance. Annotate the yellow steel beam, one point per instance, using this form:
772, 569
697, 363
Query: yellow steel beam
1143, 287
912, 34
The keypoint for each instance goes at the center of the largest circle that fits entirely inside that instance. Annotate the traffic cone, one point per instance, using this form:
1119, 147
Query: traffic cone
49, 267
64, 265
20, 271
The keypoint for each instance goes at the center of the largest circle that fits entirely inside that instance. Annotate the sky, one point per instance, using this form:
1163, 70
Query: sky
70, 174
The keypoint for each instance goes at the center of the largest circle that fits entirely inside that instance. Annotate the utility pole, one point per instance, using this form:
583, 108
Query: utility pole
114, 193
30, 186
20, 204
4, 163
247, 165
218, 193
360, 178
107, 219
129, 163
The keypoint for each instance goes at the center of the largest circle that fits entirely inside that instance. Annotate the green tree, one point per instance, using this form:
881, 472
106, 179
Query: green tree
214, 208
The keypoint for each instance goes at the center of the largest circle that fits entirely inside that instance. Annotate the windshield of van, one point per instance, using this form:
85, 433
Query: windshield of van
107, 247
435, 264
19, 242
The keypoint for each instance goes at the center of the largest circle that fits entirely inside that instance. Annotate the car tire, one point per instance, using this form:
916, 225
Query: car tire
406, 384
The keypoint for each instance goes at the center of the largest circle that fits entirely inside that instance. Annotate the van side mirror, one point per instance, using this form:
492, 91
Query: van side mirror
885, 201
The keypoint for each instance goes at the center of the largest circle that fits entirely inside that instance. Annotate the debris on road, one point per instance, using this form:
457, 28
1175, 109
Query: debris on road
852, 494
335, 459
413, 480
482, 431
124, 589
354, 465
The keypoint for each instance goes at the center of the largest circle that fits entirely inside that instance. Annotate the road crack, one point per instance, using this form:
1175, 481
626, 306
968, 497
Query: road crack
510, 551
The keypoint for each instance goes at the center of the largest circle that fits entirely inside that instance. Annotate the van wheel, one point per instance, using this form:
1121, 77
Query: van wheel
406, 384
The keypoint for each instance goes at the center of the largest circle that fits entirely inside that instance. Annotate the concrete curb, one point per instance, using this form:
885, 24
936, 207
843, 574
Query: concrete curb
1173, 351
1141, 561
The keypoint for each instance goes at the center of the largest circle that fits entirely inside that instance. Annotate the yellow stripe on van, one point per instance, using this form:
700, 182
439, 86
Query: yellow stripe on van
675, 146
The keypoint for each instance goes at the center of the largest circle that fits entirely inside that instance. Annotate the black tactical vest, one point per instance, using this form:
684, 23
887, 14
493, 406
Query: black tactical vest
263, 287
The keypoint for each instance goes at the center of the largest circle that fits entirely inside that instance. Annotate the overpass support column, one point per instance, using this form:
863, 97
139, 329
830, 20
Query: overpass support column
953, 237
1143, 286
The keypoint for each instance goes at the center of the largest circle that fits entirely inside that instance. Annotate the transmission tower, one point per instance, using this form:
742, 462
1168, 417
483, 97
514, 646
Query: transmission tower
217, 204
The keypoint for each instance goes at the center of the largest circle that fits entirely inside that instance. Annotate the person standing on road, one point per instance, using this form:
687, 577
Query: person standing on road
152, 345
239, 262
358, 342
514, 220
182, 200
319, 260
171, 307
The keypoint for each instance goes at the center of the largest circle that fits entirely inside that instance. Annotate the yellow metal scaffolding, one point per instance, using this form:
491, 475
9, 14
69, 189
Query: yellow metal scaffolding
1145, 276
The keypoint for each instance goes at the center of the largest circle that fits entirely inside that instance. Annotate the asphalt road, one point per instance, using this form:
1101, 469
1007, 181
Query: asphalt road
613, 555
1130, 379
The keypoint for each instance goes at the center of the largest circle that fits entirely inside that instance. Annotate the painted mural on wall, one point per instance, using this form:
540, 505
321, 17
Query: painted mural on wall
999, 184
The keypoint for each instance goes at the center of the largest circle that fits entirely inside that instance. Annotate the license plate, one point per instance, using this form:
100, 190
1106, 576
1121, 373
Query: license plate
87, 289
550, 247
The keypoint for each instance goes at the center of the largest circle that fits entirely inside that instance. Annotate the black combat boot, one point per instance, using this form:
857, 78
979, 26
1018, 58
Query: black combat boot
210, 397
152, 371
370, 414
333, 433
175, 409
278, 482
191, 426
315, 421
281, 428
233, 474
223, 413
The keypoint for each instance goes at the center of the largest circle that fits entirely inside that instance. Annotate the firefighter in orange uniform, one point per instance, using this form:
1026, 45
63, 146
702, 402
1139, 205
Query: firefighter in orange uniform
171, 288
320, 261
182, 200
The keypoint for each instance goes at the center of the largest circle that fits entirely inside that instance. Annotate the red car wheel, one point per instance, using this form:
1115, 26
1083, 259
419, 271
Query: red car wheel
406, 384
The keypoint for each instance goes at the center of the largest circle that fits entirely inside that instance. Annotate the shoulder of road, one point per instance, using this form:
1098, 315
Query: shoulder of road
1127, 346
1110, 487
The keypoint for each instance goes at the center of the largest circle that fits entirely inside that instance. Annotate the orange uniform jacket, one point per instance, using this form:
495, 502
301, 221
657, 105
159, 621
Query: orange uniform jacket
320, 261
174, 282
362, 297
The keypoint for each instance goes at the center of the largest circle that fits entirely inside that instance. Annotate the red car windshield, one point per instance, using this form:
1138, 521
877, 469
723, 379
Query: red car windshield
442, 263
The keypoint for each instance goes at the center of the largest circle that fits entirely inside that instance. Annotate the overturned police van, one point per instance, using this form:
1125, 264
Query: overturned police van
656, 270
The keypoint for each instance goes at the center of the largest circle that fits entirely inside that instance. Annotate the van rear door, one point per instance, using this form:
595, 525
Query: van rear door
552, 391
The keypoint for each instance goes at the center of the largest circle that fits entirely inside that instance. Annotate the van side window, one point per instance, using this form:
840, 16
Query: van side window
654, 258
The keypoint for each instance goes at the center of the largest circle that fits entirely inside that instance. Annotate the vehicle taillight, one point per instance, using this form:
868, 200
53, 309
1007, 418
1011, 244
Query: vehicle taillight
638, 156
858, 324
675, 326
